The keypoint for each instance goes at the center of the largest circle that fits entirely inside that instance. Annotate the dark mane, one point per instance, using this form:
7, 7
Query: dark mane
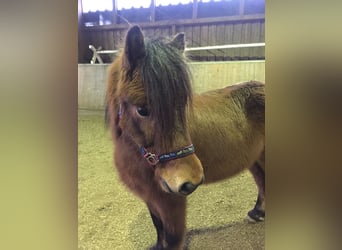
167, 84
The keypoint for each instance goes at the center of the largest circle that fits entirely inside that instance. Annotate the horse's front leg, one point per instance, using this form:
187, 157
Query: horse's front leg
168, 216
158, 224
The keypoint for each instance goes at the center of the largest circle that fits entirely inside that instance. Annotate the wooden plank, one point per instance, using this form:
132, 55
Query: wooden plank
255, 37
262, 38
212, 35
196, 40
204, 40
105, 39
111, 43
169, 32
160, 32
188, 35
94, 39
237, 28
220, 34
173, 29
121, 41
262, 31
229, 28
149, 31
116, 38
246, 33
99, 39
179, 28
111, 40
196, 36
212, 41
157, 32
220, 40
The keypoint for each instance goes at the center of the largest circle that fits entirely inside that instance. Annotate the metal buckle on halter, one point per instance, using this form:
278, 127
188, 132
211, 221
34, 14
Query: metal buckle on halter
151, 158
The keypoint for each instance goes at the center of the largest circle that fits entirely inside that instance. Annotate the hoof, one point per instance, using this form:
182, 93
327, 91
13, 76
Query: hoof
255, 215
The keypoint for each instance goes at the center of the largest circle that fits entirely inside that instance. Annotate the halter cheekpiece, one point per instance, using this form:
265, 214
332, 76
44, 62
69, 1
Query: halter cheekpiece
154, 159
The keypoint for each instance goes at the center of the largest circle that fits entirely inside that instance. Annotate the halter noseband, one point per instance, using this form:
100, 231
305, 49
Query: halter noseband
154, 159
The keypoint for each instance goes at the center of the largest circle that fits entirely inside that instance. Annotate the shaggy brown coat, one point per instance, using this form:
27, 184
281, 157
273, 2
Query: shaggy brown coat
226, 126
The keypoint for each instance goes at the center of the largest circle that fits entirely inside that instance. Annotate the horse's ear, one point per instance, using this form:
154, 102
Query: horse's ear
179, 41
134, 48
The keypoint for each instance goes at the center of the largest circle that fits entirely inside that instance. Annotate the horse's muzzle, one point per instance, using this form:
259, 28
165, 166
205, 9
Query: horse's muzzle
181, 176
188, 187
185, 189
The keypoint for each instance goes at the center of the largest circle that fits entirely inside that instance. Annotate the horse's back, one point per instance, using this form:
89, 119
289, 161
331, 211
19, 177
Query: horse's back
246, 98
227, 128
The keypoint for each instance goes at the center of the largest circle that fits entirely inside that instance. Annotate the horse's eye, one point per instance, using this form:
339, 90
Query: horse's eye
143, 111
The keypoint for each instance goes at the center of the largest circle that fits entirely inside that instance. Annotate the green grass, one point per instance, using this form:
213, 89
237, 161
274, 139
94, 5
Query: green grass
110, 217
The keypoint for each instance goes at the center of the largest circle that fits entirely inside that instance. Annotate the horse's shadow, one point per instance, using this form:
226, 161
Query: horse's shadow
236, 235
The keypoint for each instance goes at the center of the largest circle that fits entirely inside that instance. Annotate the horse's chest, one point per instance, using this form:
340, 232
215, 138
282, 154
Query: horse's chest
133, 171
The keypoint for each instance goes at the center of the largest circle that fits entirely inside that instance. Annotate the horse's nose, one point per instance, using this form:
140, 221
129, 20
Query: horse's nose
187, 187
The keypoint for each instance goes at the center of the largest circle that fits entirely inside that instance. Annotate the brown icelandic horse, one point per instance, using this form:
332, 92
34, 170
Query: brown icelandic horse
169, 141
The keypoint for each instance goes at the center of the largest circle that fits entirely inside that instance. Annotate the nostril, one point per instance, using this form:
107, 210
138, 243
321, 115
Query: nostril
187, 188
166, 187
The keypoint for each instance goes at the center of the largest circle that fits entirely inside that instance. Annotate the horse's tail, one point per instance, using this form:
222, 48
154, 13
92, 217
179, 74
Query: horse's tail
251, 97
255, 103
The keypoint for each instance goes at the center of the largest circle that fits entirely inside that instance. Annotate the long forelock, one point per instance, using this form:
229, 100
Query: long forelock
167, 83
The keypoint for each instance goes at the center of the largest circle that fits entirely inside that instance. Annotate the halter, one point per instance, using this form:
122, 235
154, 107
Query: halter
154, 159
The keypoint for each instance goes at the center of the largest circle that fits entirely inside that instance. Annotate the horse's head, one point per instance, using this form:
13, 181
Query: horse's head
153, 97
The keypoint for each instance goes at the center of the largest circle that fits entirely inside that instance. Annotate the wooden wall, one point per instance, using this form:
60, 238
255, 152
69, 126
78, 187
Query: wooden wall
197, 35
244, 23
206, 76
92, 86
213, 75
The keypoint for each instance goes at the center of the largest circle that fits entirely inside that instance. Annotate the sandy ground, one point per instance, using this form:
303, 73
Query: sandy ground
110, 217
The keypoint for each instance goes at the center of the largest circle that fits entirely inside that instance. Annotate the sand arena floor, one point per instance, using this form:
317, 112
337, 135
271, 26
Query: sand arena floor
110, 217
